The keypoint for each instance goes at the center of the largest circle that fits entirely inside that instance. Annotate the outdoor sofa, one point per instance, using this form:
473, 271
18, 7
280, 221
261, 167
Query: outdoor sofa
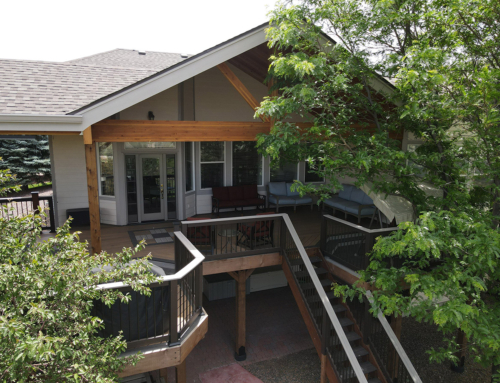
280, 194
352, 201
236, 197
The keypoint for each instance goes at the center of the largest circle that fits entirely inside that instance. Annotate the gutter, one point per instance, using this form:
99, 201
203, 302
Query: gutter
41, 118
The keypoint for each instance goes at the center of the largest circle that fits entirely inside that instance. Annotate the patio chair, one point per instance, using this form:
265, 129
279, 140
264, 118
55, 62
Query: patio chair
256, 233
201, 235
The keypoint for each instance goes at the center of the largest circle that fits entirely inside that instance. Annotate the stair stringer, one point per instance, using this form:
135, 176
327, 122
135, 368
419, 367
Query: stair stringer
311, 327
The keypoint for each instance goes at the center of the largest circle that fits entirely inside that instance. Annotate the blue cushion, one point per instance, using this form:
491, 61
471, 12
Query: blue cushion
278, 188
335, 201
367, 200
357, 195
302, 200
346, 192
352, 207
289, 191
283, 201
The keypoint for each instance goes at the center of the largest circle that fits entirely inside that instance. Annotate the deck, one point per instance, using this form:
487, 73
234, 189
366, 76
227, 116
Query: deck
307, 223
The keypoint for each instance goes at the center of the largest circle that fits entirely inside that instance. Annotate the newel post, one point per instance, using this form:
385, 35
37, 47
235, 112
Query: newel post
36, 202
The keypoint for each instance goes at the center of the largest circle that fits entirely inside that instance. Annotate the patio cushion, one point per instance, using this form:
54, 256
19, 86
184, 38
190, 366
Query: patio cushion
283, 201
302, 200
240, 202
359, 196
221, 193
250, 192
346, 192
278, 188
254, 202
335, 201
352, 207
236, 193
289, 191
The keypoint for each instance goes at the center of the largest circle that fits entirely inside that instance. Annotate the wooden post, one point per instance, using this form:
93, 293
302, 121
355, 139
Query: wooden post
180, 372
164, 374
36, 202
241, 277
460, 354
323, 378
393, 357
93, 191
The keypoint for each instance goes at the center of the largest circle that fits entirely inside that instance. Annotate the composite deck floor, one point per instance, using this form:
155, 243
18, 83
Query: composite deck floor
307, 223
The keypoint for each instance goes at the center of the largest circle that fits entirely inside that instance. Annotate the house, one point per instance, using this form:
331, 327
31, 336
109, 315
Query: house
144, 136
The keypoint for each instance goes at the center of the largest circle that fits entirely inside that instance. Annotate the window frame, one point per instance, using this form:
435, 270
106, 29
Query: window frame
214, 162
297, 172
99, 169
262, 182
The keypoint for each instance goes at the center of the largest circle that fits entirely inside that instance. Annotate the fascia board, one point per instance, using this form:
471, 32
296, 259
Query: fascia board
171, 78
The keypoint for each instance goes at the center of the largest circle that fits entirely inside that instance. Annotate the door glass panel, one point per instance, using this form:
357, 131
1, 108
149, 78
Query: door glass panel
171, 196
151, 185
130, 173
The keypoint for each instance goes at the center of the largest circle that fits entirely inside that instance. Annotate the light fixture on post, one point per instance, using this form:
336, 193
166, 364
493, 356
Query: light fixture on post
151, 116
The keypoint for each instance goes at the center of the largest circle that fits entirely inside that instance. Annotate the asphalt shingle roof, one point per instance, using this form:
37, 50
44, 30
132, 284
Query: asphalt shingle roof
51, 88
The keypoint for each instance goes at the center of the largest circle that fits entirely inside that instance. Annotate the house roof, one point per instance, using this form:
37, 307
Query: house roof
52, 88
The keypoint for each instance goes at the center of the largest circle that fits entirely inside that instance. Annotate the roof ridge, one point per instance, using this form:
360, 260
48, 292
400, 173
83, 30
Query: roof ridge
95, 54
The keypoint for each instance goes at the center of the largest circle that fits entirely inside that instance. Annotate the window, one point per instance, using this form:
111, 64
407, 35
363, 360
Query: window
311, 176
188, 155
212, 164
106, 168
247, 164
150, 145
285, 172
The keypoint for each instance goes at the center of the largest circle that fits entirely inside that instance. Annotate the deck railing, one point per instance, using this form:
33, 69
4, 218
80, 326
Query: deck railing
284, 239
225, 238
21, 206
349, 244
167, 313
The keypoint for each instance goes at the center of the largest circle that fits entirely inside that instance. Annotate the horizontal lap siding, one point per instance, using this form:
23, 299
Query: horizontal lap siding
70, 174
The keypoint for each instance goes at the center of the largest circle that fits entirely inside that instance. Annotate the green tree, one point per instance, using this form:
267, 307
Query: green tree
29, 160
47, 332
443, 57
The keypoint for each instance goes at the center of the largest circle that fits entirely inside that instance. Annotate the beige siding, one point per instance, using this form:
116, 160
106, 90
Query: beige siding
70, 173
190, 202
164, 106
217, 100
107, 210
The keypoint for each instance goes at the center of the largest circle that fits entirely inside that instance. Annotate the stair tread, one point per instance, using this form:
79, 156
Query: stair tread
299, 261
374, 380
318, 270
367, 367
351, 336
344, 322
359, 351
324, 283
316, 298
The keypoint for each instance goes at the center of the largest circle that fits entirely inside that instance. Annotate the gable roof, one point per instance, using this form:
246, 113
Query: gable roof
51, 88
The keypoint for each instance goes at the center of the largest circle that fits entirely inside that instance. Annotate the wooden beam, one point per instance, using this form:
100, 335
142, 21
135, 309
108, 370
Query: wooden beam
87, 136
241, 263
146, 131
93, 194
248, 273
240, 88
38, 133
234, 275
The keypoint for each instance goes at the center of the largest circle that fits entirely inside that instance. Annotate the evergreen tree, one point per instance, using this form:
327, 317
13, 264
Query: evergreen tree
29, 160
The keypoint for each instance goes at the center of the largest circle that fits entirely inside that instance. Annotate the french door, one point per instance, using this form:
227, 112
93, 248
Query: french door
151, 187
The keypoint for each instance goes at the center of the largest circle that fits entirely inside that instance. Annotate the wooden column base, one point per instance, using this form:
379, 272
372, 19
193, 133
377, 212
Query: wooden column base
240, 277
180, 372
462, 342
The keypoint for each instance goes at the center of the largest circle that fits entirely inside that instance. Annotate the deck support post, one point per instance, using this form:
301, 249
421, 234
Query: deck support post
180, 372
241, 277
323, 377
460, 354
164, 374
93, 191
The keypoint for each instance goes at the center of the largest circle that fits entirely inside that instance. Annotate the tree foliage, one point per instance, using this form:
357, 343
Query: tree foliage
47, 331
29, 160
443, 59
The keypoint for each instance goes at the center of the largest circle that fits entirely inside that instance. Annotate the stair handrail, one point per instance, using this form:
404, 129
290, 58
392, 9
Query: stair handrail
395, 342
326, 302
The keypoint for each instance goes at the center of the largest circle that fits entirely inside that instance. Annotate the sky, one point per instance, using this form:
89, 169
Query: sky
61, 30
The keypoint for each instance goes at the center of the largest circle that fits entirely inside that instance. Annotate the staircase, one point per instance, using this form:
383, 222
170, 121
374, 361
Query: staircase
353, 345
312, 314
